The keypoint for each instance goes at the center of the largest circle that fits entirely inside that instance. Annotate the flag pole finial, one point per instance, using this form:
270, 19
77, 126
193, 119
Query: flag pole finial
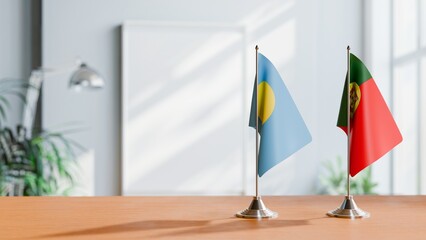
257, 47
348, 48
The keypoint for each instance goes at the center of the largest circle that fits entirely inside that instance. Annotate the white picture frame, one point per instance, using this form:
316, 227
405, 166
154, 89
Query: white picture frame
200, 149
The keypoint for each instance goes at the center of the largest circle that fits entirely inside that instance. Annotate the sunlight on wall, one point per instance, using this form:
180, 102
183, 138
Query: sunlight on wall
266, 13
406, 116
202, 54
283, 36
397, 58
405, 37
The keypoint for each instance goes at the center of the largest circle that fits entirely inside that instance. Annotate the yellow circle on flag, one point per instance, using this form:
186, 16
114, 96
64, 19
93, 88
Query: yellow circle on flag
266, 101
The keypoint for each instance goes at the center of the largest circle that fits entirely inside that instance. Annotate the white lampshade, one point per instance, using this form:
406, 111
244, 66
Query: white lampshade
87, 78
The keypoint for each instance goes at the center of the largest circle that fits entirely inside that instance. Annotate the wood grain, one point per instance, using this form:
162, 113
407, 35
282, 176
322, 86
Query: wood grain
301, 217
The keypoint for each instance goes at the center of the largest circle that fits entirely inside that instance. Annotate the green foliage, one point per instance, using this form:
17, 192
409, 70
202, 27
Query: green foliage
40, 165
36, 165
334, 181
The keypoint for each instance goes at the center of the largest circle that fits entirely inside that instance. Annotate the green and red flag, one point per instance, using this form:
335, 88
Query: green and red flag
373, 129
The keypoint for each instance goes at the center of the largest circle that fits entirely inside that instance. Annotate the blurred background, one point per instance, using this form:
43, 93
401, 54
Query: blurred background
172, 116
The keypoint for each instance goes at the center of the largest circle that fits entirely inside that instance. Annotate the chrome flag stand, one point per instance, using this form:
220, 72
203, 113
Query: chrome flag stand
257, 208
348, 209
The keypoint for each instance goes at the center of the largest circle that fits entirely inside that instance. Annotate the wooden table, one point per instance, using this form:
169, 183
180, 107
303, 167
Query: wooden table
302, 217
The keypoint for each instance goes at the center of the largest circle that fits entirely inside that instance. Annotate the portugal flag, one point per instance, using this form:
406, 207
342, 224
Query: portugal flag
373, 129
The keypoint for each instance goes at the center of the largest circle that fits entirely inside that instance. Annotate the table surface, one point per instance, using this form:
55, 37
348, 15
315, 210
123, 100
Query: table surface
300, 217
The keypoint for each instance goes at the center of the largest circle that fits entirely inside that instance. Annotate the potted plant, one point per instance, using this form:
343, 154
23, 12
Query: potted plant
32, 166
334, 180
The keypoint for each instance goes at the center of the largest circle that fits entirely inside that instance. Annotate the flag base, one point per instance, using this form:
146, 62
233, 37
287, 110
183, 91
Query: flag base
257, 209
348, 209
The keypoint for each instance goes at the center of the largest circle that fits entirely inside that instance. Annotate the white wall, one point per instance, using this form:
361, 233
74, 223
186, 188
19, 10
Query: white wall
394, 39
340, 23
15, 47
306, 40
378, 55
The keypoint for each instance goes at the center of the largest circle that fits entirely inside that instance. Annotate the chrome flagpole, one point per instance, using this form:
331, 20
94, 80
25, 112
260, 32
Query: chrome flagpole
257, 123
348, 209
257, 208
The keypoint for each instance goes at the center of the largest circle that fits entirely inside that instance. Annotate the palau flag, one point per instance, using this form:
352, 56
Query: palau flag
281, 127
373, 129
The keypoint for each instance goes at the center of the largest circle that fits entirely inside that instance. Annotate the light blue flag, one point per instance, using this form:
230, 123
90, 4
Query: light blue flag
281, 127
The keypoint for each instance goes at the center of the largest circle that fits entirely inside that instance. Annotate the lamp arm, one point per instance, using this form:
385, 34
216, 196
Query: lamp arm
33, 93
84, 76
31, 100
44, 71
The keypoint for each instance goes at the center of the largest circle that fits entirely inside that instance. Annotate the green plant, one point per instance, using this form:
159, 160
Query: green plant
334, 180
33, 166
